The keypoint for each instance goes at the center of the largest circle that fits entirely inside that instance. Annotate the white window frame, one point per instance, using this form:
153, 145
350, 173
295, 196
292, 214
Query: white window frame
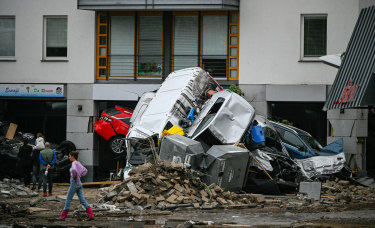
10, 58
302, 36
45, 58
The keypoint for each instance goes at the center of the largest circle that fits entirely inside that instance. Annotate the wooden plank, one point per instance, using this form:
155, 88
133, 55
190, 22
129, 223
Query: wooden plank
11, 131
93, 184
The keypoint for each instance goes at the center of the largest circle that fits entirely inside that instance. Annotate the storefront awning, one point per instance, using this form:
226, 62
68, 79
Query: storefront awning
158, 5
354, 86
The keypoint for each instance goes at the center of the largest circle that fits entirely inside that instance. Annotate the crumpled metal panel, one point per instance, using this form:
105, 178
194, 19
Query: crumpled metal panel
320, 165
262, 158
230, 122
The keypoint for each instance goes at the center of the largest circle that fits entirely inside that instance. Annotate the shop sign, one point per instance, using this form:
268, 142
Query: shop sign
31, 90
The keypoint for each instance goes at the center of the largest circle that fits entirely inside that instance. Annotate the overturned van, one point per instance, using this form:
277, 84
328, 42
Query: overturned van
180, 92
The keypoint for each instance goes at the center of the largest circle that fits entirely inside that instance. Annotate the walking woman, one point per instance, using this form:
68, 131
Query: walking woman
76, 172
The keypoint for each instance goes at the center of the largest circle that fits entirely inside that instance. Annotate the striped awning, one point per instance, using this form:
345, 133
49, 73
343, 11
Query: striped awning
354, 86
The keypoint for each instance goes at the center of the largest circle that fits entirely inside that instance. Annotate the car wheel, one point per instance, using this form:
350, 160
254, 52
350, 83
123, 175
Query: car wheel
117, 144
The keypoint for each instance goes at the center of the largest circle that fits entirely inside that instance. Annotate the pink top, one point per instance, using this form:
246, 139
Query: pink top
77, 171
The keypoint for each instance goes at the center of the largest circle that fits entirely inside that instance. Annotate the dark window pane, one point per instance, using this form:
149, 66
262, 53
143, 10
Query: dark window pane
103, 40
7, 34
102, 62
56, 51
103, 29
315, 37
103, 18
102, 72
216, 67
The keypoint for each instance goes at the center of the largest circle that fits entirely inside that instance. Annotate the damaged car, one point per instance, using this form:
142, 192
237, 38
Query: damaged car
113, 126
312, 157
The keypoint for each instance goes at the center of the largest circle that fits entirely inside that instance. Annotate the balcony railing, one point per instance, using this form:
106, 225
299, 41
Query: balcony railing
155, 66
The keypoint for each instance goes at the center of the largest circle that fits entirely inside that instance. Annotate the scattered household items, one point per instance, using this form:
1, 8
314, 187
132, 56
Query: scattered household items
113, 126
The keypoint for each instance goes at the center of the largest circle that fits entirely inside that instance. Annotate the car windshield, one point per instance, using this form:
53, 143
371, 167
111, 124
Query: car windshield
313, 143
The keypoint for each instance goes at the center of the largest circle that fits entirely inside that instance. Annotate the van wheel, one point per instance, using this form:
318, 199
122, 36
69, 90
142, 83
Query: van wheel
117, 144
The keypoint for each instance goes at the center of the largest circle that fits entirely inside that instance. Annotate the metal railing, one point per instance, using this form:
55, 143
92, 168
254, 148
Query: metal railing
155, 66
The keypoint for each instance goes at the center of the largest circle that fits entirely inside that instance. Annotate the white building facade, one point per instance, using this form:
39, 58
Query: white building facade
102, 53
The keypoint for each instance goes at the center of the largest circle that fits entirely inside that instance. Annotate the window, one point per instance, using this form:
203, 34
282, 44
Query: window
7, 37
150, 46
293, 140
55, 29
214, 44
314, 36
133, 45
122, 46
185, 42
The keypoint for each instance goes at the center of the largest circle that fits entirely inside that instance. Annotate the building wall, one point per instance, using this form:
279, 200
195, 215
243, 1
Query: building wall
28, 67
270, 36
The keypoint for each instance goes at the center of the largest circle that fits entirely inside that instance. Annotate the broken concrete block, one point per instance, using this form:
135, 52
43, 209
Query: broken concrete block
131, 187
312, 189
160, 198
203, 193
172, 199
221, 201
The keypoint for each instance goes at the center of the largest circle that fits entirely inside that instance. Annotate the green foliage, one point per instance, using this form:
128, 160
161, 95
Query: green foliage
236, 89
286, 122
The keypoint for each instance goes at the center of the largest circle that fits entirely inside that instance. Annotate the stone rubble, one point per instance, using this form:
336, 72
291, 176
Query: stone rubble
12, 188
344, 192
169, 185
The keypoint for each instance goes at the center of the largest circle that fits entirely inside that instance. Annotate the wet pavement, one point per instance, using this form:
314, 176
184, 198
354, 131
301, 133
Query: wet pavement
45, 213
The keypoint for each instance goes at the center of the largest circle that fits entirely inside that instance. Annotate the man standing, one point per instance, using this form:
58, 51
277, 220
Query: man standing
47, 159
35, 160
24, 156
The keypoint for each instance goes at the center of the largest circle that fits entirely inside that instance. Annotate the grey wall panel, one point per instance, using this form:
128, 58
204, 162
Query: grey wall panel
306, 93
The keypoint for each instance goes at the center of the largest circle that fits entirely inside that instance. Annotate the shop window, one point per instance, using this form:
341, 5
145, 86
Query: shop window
185, 42
7, 37
214, 45
55, 32
314, 36
150, 46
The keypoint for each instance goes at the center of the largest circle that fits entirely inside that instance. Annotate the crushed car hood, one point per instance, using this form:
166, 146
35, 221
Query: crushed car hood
321, 165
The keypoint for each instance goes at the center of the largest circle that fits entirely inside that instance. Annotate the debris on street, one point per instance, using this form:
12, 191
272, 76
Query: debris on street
169, 185
12, 188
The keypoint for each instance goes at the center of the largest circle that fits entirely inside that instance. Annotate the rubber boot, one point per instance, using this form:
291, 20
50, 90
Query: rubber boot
89, 213
64, 214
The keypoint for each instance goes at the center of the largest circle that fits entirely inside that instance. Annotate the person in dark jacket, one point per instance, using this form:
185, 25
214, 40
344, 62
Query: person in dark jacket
24, 164
47, 159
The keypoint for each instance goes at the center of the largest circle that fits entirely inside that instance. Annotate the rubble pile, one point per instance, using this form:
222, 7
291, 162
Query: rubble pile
345, 192
169, 184
11, 188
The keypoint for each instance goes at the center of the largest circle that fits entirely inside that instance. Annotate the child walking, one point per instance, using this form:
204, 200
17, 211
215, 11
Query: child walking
76, 172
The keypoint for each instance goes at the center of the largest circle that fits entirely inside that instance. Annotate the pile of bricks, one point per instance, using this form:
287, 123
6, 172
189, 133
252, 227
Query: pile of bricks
168, 184
345, 192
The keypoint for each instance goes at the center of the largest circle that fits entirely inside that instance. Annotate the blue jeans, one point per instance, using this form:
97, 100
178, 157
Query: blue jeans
74, 188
